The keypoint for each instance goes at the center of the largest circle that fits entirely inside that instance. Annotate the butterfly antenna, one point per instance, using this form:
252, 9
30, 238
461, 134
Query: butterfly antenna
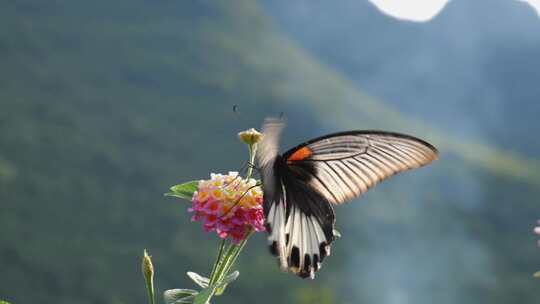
239, 175
244, 168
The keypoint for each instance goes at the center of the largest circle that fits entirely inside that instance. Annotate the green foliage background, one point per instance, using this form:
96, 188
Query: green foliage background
104, 105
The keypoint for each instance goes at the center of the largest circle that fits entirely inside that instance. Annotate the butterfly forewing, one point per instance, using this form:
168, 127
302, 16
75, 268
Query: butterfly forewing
343, 166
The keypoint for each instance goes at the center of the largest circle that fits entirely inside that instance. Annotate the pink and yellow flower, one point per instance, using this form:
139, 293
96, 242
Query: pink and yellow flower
229, 205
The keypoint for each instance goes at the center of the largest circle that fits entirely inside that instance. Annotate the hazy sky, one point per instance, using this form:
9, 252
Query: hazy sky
422, 10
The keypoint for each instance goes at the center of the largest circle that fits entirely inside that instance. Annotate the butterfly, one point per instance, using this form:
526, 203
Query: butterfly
302, 185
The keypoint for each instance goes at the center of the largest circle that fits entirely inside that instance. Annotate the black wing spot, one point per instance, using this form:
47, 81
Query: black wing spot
316, 262
322, 250
304, 274
307, 262
295, 257
273, 248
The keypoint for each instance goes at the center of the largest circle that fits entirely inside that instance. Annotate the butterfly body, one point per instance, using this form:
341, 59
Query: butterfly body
301, 186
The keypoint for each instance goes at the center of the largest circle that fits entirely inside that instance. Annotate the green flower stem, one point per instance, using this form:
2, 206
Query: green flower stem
217, 273
252, 152
220, 273
150, 292
234, 255
225, 262
218, 262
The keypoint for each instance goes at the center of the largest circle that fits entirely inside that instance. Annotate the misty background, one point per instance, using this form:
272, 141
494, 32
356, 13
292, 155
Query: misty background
104, 105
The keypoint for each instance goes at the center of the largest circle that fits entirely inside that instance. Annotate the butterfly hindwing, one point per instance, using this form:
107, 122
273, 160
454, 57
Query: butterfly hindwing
300, 223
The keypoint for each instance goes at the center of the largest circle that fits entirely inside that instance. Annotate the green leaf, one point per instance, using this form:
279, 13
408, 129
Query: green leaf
227, 280
537, 274
4, 302
184, 190
204, 296
198, 279
230, 278
177, 296
186, 300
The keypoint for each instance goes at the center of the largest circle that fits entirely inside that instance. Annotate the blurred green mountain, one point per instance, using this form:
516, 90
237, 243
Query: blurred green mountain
107, 104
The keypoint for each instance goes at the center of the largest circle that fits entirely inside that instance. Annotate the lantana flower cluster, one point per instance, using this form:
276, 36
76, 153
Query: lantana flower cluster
229, 205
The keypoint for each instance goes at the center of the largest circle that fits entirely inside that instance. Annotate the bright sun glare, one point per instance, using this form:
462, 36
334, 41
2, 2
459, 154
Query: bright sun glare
535, 4
421, 10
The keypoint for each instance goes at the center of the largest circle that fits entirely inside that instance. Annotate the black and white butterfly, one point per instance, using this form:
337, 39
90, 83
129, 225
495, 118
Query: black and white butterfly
301, 185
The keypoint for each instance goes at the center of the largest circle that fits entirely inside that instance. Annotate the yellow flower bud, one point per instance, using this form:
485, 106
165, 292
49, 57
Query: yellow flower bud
250, 136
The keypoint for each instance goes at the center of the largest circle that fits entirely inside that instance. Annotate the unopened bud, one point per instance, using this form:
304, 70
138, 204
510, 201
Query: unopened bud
147, 267
148, 273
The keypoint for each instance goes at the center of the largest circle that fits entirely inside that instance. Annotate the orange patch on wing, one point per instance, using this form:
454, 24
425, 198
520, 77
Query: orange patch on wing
300, 154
